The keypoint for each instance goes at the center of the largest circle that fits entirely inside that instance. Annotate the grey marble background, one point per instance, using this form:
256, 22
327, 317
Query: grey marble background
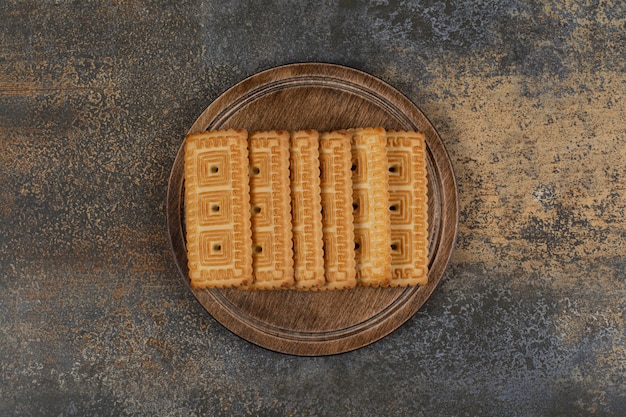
529, 98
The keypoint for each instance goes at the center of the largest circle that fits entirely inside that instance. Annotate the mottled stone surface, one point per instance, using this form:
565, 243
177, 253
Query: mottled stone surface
530, 100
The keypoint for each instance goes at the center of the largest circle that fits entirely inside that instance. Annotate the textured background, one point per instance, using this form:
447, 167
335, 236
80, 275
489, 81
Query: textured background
530, 100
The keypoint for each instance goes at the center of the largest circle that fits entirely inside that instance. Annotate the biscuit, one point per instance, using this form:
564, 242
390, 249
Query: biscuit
306, 209
370, 184
270, 200
217, 209
337, 218
406, 152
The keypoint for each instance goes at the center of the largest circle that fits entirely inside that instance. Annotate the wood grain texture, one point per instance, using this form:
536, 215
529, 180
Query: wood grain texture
337, 97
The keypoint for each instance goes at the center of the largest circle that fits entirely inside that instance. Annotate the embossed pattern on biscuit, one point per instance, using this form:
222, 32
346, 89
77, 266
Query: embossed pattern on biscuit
406, 152
306, 209
370, 183
337, 217
270, 199
217, 209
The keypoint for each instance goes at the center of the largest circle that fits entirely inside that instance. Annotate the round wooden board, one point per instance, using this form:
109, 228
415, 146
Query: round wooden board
323, 97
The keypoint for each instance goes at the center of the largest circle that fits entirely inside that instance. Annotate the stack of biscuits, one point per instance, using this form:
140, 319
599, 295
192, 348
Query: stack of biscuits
306, 210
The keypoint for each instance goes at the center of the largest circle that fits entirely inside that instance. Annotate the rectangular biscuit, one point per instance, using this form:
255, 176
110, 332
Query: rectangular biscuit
370, 184
306, 209
337, 218
217, 209
270, 200
406, 152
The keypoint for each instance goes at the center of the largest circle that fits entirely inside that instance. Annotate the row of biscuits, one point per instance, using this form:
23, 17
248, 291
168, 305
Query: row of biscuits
304, 210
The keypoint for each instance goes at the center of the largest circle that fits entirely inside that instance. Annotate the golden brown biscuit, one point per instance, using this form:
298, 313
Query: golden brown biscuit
270, 199
370, 184
217, 209
406, 152
337, 217
306, 209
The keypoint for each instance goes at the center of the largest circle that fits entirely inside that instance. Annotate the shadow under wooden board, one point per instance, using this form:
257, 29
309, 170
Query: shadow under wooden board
324, 97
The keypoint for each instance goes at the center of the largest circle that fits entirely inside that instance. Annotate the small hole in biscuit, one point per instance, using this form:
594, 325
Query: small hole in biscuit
256, 209
214, 169
215, 208
355, 206
256, 171
258, 249
393, 208
353, 167
392, 169
394, 246
356, 245
217, 247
